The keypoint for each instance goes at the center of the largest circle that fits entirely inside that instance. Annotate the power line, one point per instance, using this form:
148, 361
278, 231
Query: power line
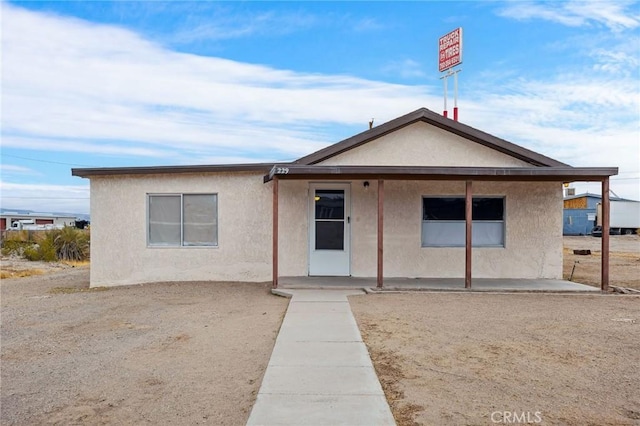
45, 161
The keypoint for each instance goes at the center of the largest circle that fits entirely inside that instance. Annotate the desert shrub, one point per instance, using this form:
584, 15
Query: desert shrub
45, 251
68, 244
14, 247
71, 244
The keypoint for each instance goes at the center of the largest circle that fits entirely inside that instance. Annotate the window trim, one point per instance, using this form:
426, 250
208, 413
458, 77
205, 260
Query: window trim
181, 244
477, 196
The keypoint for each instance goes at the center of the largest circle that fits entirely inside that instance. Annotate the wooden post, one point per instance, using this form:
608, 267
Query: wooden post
275, 232
380, 230
606, 205
468, 218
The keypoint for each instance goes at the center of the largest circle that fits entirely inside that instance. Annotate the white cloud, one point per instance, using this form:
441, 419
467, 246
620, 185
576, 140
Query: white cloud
616, 15
407, 68
45, 197
227, 25
67, 79
81, 147
11, 169
74, 86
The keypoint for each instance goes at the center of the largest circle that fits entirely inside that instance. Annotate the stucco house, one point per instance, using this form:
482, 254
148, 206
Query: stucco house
418, 196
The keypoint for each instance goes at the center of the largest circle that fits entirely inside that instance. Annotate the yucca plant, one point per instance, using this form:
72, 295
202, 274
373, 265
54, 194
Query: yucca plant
71, 244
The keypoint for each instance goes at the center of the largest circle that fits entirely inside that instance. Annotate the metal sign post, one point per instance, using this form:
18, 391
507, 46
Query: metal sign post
444, 79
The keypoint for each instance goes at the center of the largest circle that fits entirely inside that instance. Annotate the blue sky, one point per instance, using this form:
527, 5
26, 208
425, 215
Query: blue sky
156, 83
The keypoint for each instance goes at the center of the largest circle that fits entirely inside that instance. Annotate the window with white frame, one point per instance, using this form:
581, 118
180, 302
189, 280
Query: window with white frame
443, 221
182, 219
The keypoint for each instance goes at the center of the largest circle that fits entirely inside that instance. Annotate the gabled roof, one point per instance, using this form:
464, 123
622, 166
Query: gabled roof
421, 115
441, 122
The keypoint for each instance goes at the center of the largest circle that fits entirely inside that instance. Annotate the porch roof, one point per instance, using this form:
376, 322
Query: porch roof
551, 174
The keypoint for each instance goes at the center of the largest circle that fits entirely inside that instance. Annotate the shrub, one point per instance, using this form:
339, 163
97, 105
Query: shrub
45, 251
60, 244
14, 247
70, 244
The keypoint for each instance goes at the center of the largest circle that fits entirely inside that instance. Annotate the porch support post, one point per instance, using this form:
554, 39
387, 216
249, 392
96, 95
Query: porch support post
275, 232
468, 203
380, 230
604, 269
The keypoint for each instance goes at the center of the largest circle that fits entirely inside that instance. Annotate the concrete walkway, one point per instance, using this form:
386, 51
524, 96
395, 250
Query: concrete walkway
320, 372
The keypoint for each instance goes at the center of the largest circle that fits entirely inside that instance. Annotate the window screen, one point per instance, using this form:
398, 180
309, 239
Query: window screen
443, 222
200, 220
164, 220
183, 220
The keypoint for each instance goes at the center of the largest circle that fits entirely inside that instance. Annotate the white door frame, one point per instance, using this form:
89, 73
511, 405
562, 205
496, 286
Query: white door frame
330, 262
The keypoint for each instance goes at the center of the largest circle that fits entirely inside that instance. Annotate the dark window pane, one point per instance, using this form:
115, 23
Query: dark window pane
454, 209
329, 235
329, 204
443, 208
488, 209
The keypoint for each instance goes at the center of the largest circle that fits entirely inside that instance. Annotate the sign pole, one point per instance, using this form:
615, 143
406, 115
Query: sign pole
444, 79
455, 94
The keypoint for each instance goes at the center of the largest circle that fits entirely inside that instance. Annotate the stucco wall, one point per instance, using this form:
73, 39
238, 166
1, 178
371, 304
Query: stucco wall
421, 144
119, 252
533, 220
533, 234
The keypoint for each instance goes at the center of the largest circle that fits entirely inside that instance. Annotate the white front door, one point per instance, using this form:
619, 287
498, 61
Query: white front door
329, 230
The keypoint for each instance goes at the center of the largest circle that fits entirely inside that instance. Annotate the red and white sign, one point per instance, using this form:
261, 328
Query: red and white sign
450, 50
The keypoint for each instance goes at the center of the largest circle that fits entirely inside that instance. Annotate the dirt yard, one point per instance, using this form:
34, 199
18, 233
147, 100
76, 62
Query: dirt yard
183, 353
458, 359
624, 260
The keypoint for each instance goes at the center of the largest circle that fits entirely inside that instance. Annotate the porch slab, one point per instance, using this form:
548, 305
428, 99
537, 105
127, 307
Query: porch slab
437, 284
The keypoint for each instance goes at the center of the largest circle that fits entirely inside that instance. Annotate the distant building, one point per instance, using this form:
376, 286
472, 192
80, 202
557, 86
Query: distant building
579, 214
7, 218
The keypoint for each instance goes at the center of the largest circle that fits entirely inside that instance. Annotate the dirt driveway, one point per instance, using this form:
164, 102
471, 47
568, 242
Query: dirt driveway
624, 260
183, 353
458, 359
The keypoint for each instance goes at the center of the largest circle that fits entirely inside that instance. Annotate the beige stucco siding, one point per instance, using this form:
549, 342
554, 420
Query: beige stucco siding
533, 234
421, 144
119, 250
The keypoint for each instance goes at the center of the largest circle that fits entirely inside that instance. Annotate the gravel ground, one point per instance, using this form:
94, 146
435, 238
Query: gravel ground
180, 353
455, 359
624, 260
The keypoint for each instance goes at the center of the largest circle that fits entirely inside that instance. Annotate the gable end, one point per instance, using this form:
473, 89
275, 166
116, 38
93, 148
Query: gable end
441, 122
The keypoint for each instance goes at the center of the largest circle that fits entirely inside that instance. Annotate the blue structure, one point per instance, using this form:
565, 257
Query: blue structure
578, 221
582, 220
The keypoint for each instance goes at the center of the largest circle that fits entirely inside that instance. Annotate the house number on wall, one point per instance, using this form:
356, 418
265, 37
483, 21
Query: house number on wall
282, 170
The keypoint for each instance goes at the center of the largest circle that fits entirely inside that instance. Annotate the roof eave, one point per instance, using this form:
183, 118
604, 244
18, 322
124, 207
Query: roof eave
558, 174
215, 168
